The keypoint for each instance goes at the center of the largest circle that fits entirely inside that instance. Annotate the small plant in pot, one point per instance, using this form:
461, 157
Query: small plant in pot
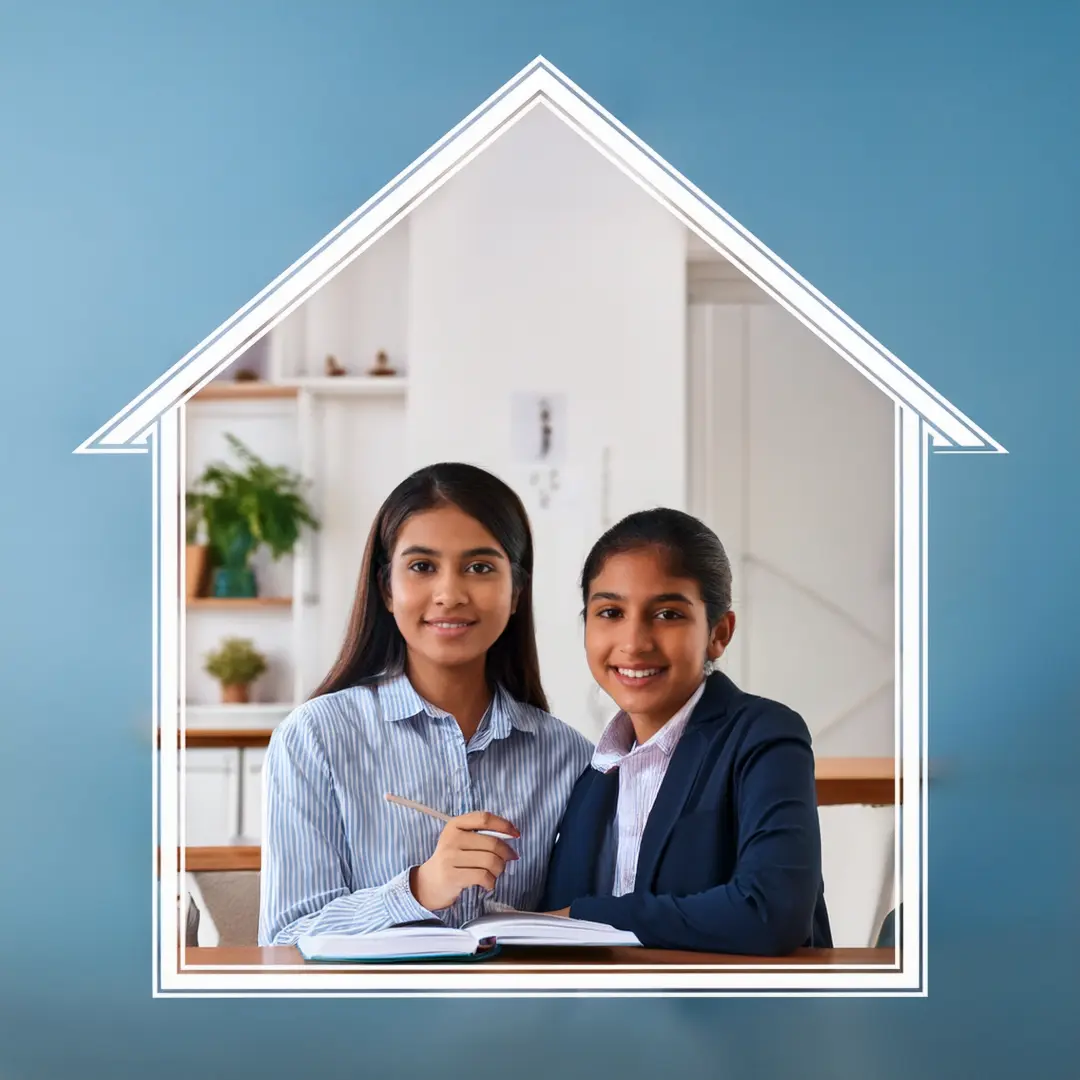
197, 558
236, 664
244, 508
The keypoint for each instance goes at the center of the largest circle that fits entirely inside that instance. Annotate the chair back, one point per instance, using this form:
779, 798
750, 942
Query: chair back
886, 938
231, 900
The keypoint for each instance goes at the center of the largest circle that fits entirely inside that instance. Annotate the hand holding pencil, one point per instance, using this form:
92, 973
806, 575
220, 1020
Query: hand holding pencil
466, 855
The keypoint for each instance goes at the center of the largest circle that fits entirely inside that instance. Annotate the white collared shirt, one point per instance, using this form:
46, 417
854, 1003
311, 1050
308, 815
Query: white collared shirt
641, 772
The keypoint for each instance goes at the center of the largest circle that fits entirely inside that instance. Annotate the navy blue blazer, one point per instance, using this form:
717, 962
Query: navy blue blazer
730, 858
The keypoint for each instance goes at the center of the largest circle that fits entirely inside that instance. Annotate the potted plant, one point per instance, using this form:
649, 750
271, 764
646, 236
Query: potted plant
243, 508
236, 664
197, 556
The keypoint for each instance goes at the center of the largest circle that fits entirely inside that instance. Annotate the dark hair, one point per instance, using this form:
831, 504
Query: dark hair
373, 644
694, 551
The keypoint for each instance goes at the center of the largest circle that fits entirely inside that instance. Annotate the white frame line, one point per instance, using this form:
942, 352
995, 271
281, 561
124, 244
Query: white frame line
539, 83
169, 592
926, 423
904, 978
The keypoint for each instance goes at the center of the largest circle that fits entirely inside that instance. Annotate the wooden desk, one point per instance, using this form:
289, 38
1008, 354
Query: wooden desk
622, 958
856, 781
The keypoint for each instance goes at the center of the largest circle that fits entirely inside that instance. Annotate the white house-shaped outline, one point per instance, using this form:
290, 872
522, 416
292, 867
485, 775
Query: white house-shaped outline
926, 422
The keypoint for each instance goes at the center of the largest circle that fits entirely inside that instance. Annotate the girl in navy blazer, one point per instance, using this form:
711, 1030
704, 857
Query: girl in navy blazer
696, 826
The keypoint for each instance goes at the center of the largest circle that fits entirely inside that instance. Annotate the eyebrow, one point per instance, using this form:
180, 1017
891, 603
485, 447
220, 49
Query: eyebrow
472, 553
662, 598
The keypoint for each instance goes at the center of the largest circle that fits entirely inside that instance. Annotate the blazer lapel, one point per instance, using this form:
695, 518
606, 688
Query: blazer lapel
683, 768
595, 817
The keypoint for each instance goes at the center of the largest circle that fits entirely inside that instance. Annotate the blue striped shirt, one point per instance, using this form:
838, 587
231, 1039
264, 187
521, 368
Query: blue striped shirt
336, 855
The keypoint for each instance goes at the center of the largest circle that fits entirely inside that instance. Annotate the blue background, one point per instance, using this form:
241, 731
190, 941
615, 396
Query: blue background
160, 163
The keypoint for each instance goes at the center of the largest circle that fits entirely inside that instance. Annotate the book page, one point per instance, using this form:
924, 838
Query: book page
533, 928
414, 939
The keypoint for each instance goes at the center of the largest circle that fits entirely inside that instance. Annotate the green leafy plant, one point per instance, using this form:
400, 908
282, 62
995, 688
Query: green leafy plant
236, 662
246, 507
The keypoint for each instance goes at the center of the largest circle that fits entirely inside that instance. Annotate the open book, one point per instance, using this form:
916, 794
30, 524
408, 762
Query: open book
419, 941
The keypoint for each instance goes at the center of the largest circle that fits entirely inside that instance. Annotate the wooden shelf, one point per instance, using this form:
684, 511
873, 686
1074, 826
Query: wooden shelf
864, 781
247, 708
218, 858
238, 603
854, 768
244, 391
341, 385
235, 717
362, 385
224, 738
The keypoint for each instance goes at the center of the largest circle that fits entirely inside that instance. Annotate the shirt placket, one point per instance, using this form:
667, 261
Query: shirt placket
509, 889
634, 768
458, 790
466, 758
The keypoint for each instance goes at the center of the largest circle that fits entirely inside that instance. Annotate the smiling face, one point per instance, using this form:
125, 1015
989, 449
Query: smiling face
647, 636
450, 589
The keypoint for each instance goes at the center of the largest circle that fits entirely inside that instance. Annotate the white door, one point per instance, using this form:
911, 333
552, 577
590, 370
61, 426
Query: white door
792, 465
211, 809
251, 819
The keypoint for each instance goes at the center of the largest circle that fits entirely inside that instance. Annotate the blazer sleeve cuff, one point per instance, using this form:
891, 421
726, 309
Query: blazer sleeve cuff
601, 909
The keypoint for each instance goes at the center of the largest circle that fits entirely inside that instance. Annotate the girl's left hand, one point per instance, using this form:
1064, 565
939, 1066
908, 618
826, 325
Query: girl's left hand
562, 913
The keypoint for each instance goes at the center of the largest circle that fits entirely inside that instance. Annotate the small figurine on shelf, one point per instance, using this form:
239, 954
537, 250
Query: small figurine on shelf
246, 375
333, 367
382, 365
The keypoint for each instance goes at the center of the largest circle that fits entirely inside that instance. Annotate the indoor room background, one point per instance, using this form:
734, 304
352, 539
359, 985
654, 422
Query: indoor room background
601, 358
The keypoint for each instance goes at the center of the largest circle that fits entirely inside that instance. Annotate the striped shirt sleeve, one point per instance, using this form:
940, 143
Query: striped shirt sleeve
304, 854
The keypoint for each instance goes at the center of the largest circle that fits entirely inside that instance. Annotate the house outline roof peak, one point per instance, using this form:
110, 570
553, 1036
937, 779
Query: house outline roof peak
539, 83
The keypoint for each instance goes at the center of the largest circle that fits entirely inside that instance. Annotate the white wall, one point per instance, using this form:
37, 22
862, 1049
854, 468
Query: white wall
541, 267
269, 429
794, 470
352, 317
356, 460
792, 465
